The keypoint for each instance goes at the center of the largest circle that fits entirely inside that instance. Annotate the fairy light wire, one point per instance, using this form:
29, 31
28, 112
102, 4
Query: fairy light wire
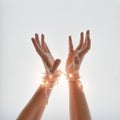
49, 80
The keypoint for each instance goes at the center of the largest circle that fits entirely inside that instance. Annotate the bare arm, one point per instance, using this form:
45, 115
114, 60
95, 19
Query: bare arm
36, 106
34, 109
78, 104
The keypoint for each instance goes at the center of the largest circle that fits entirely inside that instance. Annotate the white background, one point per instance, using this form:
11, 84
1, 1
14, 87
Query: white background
21, 68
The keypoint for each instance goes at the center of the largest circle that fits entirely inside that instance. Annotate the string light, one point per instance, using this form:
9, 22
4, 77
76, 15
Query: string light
70, 75
49, 80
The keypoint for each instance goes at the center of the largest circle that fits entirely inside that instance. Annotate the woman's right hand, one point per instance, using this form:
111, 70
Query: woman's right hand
42, 49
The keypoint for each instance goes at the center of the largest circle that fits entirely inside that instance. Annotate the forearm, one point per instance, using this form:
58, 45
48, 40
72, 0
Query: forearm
36, 106
78, 104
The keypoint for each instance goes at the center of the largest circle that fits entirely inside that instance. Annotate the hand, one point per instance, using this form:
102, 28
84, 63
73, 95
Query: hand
42, 49
76, 56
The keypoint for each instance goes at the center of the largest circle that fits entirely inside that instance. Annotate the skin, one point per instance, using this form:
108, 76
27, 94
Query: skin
36, 106
78, 104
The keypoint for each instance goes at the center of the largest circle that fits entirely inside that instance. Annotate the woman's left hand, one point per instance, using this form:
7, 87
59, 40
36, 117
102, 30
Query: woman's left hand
76, 56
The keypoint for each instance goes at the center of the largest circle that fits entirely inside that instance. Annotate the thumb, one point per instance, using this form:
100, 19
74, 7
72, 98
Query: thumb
55, 65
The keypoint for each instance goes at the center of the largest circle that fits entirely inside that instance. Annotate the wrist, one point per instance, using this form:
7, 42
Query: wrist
74, 80
77, 84
49, 80
73, 76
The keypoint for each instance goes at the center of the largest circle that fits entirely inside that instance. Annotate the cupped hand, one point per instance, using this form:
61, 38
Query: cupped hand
75, 56
42, 49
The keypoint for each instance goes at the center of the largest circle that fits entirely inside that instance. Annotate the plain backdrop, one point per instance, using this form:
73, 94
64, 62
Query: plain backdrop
21, 68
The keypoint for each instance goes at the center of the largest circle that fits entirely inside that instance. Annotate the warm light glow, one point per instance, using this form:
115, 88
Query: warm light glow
59, 72
63, 80
45, 83
70, 75
50, 76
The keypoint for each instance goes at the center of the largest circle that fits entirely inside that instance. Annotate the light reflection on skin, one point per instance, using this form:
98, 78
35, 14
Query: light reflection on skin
78, 104
83, 85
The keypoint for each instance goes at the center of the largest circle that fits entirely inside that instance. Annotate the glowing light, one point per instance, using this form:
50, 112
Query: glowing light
45, 83
63, 81
59, 72
50, 76
70, 75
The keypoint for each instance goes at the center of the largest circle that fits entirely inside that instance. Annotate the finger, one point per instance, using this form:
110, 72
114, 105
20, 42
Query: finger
70, 44
81, 41
46, 61
86, 37
87, 40
88, 33
37, 38
47, 49
55, 65
87, 44
84, 52
44, 45
43, 42
38, 49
